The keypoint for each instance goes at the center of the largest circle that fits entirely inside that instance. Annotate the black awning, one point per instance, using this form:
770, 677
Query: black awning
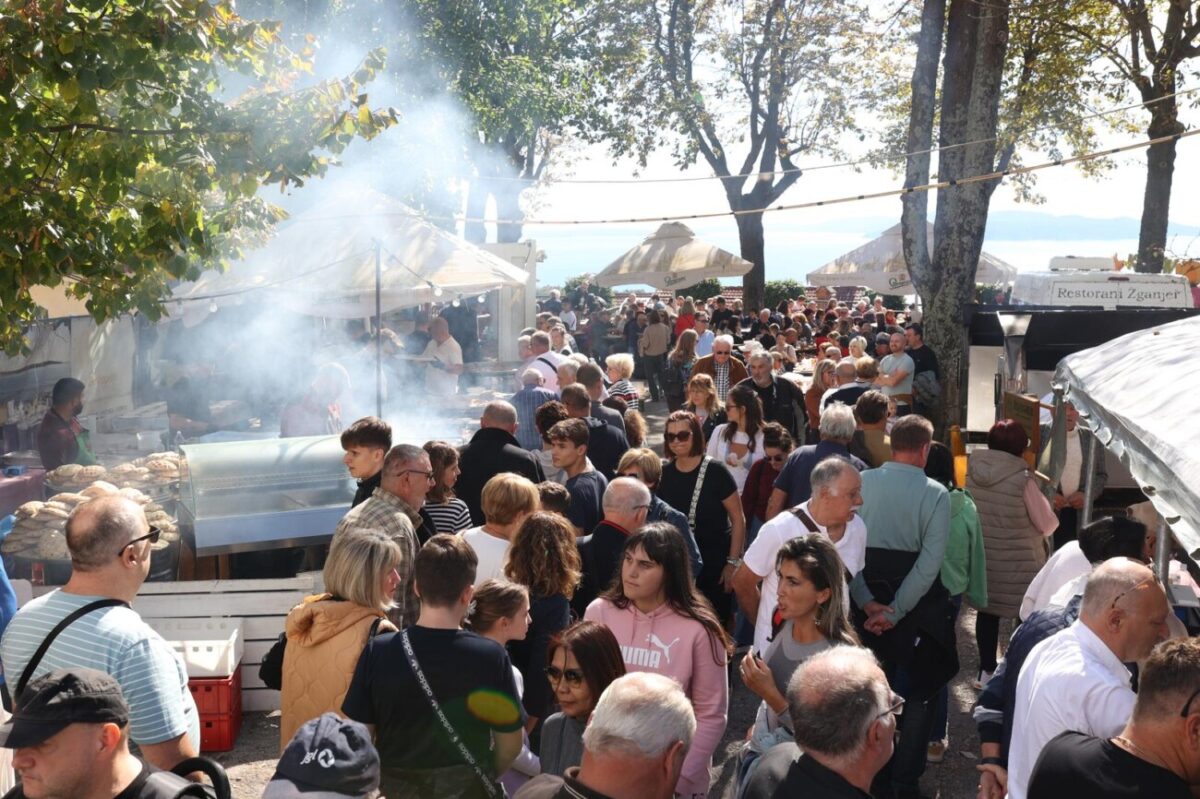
1055, 333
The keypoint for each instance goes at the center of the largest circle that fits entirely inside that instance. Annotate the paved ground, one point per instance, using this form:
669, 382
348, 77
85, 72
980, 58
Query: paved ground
251, 764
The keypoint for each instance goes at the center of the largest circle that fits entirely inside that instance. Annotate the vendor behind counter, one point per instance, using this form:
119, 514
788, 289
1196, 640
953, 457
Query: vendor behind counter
61, 438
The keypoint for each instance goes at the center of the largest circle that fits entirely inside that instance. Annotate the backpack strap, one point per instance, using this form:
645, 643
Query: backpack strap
165, 785
805, 519
696, 492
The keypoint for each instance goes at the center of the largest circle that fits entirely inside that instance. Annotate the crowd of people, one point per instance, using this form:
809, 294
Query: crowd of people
556, 610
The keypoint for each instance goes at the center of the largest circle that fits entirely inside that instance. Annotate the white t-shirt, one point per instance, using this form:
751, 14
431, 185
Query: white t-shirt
491, 550
721, 449
760, 559
1064, 566
547, 363
438, 381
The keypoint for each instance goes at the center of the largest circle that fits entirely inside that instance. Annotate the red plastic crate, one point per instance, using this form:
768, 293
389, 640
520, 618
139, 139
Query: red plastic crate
219, 700
217, 694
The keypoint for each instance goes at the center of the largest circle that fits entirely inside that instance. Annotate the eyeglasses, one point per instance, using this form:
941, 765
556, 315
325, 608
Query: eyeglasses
896, 708
1183, 714
428, 475
639, 507
151, 536
721, 352
555, 675
682, 436
777, 458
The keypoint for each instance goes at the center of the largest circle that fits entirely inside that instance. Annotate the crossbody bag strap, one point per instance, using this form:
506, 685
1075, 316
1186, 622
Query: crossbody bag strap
58, 628
488, 784
696, 492
805, 519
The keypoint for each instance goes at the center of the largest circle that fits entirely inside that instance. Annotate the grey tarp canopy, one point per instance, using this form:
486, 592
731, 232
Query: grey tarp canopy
1137, 393
879, 265
672, 258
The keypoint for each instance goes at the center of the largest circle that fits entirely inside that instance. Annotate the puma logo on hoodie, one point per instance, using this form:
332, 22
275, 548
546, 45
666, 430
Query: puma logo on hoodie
649, 658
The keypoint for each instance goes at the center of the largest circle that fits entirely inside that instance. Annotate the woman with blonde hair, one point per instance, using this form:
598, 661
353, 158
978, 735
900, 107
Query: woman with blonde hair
858, 347
686, 319
326, 632
678, 369
703, 403
508, 499
545, 559
620, 371
822, 381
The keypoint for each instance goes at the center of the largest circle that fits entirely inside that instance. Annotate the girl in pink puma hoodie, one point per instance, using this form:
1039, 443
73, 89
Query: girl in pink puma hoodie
665, 625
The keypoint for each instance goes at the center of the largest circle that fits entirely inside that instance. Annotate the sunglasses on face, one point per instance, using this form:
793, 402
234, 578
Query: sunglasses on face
555, 675
684, 435
151, 536
777, 458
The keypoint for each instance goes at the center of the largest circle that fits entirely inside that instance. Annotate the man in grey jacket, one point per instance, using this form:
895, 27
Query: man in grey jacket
1069, 497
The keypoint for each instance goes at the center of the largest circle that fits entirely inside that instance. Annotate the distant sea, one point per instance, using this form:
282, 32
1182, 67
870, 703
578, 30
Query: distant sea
1027, 240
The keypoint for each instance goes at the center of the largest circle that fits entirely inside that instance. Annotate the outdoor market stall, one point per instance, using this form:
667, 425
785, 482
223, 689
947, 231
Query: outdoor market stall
672, 258
1136, 393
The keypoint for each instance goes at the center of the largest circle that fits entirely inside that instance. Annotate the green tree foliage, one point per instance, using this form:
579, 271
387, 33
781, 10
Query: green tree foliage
702, 290
779, 290
137, 135
572, 283
779, 76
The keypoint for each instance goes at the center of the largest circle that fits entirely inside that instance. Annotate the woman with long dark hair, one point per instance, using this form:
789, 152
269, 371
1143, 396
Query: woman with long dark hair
739, 442
703, 490
678, 369
582, 661
545, 559
812, 606
450, 515
666, 626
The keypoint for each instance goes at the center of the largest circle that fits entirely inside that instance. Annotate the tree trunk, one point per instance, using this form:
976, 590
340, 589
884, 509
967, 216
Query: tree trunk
753, 249
474, 230
975, 50
508, 207
915, 206
1156, 204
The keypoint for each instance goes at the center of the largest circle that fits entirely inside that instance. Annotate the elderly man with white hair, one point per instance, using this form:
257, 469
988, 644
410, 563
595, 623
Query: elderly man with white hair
531, 397
633, 747
446, 364
782, 399
544, 359
836, 493
792, 485
625, 504
725, 369
844, 715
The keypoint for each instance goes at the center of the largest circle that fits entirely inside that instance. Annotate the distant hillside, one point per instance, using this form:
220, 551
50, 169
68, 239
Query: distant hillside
1031, 226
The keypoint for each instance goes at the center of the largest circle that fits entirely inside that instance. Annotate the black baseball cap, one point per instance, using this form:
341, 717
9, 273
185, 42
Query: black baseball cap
883, 338
328, 758
55, 701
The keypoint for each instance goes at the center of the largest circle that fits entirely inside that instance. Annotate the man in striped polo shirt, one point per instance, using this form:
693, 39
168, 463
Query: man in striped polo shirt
110, 542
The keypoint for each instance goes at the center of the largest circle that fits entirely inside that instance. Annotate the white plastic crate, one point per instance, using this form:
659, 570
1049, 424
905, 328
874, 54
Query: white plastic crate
209, 647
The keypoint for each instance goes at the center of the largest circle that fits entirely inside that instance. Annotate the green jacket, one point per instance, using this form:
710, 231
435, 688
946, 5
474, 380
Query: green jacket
964, 569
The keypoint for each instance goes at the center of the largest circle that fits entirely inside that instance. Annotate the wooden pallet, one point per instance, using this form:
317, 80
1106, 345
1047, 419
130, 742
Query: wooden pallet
261, 604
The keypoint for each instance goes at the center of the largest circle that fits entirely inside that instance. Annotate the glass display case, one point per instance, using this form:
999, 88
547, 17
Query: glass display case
247, 496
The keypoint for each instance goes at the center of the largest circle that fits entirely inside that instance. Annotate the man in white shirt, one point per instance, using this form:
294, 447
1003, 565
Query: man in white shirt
704, 336
836, 492
441, 374
1076, 679
544, 360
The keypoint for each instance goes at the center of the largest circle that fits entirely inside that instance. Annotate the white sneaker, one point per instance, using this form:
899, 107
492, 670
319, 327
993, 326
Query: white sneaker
980, 682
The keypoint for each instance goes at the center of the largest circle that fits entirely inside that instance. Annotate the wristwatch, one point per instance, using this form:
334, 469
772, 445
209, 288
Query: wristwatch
734, 562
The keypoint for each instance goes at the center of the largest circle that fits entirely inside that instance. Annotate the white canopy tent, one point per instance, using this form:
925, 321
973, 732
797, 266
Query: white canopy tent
1136, 393
672, 258
879, 265
323, 263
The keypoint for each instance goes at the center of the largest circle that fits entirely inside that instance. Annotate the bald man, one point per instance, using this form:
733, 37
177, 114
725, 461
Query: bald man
110, 544
1076, 679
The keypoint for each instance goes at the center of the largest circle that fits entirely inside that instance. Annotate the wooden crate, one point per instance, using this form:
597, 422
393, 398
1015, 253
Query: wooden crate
261, 604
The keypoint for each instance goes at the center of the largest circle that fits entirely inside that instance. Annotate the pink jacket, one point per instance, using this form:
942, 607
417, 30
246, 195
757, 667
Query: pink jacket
673, 645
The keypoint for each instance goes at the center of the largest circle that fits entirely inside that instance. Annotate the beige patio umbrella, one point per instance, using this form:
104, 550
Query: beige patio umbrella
879, 265
672, 258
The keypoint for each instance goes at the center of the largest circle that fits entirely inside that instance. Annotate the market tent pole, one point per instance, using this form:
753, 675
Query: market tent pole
378, 330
